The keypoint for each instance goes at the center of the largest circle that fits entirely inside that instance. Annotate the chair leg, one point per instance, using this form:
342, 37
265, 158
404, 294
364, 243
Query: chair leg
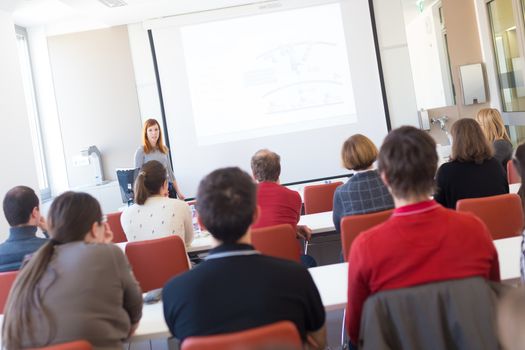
344, 338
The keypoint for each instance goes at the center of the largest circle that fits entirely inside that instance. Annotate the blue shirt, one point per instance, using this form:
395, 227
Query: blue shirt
22, 241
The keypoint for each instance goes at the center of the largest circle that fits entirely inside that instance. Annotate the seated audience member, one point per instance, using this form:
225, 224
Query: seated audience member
511, 320
277, 204
364, 192
154, 214
23, 215
492, 125
237, 288
422, 242
519, 164
472, 171
75, 286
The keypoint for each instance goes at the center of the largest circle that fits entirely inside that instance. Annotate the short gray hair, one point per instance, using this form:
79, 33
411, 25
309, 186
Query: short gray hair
266, 165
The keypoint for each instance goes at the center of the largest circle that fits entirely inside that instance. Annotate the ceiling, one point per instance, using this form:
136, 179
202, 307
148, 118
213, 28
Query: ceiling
62, 16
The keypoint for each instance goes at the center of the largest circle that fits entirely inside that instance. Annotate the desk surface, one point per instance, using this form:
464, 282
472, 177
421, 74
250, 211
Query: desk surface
331, 281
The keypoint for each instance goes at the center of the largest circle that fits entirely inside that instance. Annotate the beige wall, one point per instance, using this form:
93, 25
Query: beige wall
16, 153
464, 48
96, 98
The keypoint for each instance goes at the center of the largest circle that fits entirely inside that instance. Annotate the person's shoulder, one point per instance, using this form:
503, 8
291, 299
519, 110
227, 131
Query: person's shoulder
502, 143
139, 150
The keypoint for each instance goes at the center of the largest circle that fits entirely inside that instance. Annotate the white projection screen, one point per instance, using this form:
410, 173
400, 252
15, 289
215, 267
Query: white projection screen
297, 77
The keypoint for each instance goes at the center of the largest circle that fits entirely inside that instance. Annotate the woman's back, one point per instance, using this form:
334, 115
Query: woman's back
89, 293
458, 180
158, 217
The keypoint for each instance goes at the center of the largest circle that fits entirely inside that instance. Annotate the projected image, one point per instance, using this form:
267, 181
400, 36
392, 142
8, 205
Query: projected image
268, 74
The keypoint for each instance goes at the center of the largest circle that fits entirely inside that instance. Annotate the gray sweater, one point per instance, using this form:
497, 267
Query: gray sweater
90, 293
141, 158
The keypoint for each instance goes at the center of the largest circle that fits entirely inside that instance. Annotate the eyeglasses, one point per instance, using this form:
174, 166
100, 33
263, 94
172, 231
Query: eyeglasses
104, 219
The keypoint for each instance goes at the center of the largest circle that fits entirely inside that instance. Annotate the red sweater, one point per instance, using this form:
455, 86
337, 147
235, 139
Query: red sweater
278, 205
420, 243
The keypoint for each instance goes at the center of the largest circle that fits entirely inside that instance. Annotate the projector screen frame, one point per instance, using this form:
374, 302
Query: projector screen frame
327, 178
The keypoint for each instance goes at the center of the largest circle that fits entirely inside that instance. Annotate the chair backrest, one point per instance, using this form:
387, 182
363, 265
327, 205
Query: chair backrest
6, 281
279, 241
418, 318
279, 335
353, 225
155, 261
74, 345
115, 225
502, 214
319, 198
512, 174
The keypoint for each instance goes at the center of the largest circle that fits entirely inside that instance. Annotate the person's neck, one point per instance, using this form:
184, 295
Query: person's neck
371, 167
401, 202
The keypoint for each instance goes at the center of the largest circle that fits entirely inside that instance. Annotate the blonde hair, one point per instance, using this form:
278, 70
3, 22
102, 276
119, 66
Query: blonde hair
145, 143
358, 153
469, 144
492, 124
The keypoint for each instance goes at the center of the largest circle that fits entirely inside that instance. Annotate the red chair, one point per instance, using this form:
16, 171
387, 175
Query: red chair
512, 174
279, 335
115, 225
319, 198
353, 225
6, 281
279, 241
74, 345
155, 261
502, 214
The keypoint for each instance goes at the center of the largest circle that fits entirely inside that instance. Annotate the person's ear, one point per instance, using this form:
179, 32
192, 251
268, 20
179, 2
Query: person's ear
91, 236
383, 178
256, 214
35, 213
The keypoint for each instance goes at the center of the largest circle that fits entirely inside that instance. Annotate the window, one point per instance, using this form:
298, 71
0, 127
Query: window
32, 111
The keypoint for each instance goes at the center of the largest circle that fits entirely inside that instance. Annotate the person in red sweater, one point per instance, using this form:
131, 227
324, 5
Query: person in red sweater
422, 242
277, 204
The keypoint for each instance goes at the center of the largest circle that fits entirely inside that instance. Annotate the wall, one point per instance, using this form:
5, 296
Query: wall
395, 61
96, 98
464, 48
16, 153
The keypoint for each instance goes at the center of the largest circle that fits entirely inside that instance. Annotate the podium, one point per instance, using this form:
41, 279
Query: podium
126, 178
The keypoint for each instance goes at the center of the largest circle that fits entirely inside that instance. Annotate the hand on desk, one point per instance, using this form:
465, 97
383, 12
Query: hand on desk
304, 232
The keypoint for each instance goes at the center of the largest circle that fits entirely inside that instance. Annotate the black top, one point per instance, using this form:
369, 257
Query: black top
229, 294
22, 241
458, 180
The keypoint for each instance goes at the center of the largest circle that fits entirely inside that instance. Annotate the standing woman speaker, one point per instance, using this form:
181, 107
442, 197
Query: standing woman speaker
153, 148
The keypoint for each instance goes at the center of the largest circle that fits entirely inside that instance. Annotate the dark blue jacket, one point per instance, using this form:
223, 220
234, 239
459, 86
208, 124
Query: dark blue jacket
22, 241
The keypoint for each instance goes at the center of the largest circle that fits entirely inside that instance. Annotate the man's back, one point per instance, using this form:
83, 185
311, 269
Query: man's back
21, 242
278, 205
233, 293
420, 243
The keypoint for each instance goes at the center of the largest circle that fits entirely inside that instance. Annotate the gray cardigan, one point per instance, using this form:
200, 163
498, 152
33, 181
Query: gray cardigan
141, 158
90, 293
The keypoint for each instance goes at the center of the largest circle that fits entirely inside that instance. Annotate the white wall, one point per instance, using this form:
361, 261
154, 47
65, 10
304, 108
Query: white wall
16, 153
47, 109
397, 73
96, 98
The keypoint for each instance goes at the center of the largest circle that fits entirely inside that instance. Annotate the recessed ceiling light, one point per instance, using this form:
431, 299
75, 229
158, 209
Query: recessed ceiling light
113, 3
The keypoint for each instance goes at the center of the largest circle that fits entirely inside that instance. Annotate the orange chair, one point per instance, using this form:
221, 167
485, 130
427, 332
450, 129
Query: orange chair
279, 335
6, 281
279, 241
512, 174
155, 261
502, 214
115, 225
319, 198
353, 225
74, 345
